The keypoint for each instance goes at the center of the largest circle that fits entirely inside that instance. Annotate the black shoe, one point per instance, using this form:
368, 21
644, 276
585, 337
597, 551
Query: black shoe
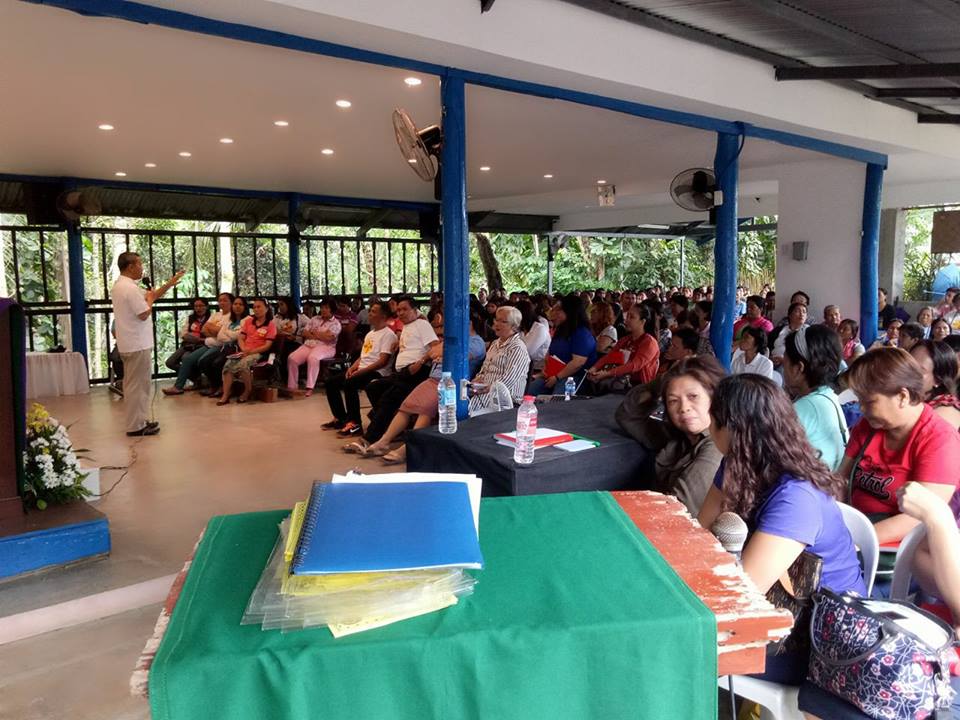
145, 430
334, 424
152, 424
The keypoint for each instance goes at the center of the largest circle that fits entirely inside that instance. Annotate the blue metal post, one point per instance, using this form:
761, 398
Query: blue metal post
293, 243
78, 295
726, 167
455, 256
869, 251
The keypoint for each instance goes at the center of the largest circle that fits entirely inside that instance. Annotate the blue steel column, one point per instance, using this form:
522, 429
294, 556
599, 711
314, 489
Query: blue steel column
869, 251
455, 257
78, 295
293, 243
726, 167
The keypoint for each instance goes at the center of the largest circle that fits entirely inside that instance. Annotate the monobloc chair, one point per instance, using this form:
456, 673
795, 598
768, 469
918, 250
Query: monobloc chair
779, 702
903, 565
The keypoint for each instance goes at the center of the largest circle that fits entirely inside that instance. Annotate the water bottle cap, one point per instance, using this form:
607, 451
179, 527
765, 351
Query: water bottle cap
446, 374
529, 398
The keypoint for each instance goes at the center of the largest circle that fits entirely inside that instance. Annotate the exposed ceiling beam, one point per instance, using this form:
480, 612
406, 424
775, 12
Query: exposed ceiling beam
371, 221
267, 210
939, 119
647, 19
949, 9
870, 72
919, 92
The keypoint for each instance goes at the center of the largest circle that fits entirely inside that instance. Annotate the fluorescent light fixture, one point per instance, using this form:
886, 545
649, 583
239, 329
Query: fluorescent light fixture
548, 176
120, 173
281, 123
327, 151
105, 126
412, 81
344, 104
150, 165
412, 161
484, 168
227, 141
184, 154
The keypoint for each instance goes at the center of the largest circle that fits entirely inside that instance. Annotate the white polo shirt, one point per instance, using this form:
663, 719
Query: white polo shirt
415, 340
133, 334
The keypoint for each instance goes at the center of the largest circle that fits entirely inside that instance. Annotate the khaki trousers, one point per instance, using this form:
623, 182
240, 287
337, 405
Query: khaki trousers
136, 387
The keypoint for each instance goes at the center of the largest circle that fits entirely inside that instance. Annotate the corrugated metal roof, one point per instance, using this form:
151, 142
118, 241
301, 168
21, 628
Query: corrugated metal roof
819, 33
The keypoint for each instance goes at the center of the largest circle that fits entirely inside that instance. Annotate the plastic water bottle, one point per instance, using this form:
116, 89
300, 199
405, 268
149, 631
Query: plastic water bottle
526, 431
569, 388
447, 397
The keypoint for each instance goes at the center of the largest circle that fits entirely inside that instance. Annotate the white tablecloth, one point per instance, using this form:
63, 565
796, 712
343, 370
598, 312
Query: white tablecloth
51, 374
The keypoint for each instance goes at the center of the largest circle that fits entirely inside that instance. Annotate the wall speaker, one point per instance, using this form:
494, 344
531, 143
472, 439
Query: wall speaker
800, 250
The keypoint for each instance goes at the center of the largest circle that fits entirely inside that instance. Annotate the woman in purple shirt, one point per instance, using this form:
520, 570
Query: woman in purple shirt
772, 478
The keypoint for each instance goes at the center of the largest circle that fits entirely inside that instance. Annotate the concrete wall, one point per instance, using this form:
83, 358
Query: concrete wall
821, 203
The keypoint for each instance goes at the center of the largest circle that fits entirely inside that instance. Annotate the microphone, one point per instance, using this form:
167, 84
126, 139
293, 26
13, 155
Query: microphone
730, 529
147, 282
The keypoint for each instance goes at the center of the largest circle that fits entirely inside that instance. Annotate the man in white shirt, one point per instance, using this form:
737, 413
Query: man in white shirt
412, 364
374, 362
132, 308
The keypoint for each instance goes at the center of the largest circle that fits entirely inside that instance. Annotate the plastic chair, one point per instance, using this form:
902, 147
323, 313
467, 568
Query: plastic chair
777, 702
501, 400
865, 538
903, 565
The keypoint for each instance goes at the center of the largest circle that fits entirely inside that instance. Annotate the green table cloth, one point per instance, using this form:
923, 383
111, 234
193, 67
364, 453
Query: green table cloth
575, 616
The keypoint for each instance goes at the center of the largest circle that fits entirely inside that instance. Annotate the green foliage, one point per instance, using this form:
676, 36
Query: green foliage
919, 264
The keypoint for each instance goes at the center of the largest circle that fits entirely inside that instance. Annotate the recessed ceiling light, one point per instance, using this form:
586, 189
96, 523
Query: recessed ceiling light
344, 104
227, 141
120, 173
281, 123
412, 81
412, 161
105, 126
601, 182
326, 151
484, 168
548, 176
184, 154
150, 165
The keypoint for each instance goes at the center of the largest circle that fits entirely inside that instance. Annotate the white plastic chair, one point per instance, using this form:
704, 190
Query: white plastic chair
903, 565
501, 400
865, 538
779, 702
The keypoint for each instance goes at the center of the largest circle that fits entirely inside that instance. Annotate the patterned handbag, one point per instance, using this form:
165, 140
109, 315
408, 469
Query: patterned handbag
867, 657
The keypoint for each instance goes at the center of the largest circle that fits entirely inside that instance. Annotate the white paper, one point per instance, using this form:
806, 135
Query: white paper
511, 437
473, 483
575, 445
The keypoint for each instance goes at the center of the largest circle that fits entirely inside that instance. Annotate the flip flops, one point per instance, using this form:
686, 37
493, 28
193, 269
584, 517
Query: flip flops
356, 448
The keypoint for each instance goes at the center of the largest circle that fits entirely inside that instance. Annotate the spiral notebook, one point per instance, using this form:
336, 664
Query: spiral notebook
370, 527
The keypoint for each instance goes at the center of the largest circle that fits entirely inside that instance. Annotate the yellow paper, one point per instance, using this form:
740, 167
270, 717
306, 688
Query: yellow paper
339, 630
293, 534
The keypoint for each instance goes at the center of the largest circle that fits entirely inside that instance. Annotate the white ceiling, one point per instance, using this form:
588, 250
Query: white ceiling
167, 91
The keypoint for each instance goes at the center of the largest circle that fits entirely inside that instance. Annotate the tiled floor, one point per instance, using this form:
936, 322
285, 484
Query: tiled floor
207, 460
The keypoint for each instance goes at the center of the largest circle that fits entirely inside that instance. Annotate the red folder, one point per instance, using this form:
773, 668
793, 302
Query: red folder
552, 366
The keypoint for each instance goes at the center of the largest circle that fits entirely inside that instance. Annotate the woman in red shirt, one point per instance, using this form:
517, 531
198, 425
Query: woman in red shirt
633, 360
257, 333
900, 439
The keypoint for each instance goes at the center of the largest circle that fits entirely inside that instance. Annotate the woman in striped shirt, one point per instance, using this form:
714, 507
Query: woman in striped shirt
507, 361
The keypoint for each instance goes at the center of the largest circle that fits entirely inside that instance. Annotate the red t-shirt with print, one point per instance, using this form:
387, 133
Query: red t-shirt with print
257, 337
930, 455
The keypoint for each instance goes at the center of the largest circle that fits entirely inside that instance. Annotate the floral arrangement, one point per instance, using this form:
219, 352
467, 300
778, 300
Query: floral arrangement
51, 464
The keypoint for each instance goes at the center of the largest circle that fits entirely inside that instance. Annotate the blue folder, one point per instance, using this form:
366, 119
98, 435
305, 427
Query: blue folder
367, 527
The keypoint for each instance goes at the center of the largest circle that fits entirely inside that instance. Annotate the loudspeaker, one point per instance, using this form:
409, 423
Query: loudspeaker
800, 250
40, 203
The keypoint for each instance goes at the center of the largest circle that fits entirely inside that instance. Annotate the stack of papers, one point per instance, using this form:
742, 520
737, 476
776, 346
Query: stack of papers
369, 550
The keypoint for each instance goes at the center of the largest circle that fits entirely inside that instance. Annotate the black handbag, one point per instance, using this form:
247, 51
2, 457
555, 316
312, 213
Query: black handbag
804, 576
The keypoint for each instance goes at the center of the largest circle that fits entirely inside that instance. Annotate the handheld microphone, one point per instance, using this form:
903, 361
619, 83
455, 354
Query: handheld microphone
147, 282
731, 531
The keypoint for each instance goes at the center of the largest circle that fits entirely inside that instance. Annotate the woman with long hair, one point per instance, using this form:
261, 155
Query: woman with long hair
938, 361
940, 329
256, 336
850, 340
601, 325
536, 335
573, 344
750, 357
811, 361
190, 364
771, 477
632, 361
191, 337
211, 365
319, 343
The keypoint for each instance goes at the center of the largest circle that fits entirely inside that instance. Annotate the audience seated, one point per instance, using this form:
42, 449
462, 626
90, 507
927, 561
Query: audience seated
946, 304
832, 317
190, 362
290, 326
507, 360
319, 343
900, 439
191, 337
749, 357
375, 362
572, 344
811, 362
796, 319
850, 340
257, 333
890, 337
940, 329
953, 315
632, 361
771, 477
938, 361
925, 319
211, 364
412, 367
476, 345
536, 335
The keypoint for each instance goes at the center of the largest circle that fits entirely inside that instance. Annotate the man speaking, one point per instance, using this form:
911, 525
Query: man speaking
132, 307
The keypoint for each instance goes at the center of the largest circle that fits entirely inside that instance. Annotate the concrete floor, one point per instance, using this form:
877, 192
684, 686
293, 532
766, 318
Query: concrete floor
206, 461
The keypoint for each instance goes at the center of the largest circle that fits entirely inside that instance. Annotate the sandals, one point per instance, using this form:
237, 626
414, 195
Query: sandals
223, 402
356, 448
371, 451
172, 390
395, 457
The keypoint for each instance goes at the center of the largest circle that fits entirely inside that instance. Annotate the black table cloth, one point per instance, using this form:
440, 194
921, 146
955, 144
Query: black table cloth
619, 463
